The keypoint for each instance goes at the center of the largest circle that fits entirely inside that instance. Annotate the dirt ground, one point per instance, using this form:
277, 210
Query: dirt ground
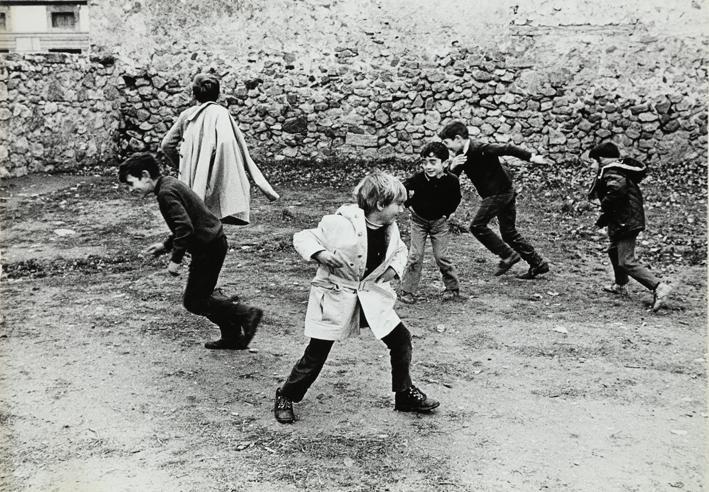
544, 385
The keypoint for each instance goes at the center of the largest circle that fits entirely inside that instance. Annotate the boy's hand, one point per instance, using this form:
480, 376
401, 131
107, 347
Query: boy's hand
155, 249
173, 268
387, 276
537, 159
458, 160
326, 258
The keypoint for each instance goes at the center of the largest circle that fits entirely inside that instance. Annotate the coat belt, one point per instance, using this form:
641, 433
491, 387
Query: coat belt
338, 283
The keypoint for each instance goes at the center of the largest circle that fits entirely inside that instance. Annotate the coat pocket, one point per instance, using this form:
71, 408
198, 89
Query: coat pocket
336, 306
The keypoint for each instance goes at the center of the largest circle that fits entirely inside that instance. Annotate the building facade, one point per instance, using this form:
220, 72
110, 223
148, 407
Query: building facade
44, 26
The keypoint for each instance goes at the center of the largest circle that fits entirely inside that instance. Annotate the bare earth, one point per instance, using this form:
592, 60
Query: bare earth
544, 385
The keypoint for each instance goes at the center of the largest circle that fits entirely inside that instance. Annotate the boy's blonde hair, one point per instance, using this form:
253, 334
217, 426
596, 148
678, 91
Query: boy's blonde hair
379, 188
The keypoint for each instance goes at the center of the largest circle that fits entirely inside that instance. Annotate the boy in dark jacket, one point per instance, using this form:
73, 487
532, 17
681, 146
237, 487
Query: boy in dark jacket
197, 231
433, 195
481, 164
616, 187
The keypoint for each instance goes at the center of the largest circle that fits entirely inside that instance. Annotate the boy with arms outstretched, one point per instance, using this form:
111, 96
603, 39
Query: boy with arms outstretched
197, 231
480, 162
359, 251
622, 211
434, 194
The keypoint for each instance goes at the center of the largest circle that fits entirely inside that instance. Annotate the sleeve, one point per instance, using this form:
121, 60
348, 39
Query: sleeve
398, 262
454, 196
410, 185
615, 185
179, 222
171, 141
504, 149
256, 175
312, 241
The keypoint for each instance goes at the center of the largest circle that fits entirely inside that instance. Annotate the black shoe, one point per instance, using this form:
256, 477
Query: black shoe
222, 344
250, 323
283, 409
413, 400
533, 271
507, 263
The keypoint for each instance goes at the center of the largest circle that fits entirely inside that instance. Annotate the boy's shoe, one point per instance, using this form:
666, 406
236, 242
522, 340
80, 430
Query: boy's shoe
407, 298
283, 409
453, 295
222, 344
535, 270
620, 290
413, 400
507, 263
250, 323
662, 291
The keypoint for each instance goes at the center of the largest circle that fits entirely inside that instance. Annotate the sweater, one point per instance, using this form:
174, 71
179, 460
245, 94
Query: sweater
484, 169
433, 198
193, 226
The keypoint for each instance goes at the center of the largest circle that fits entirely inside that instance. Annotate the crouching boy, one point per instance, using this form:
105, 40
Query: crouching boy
359, 251
616, 186
197, 231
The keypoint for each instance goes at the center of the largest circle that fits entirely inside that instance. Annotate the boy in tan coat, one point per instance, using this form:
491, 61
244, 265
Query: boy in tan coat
359, 251
206, 144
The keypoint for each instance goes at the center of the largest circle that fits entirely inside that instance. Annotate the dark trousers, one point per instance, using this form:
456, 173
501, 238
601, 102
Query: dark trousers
198, 297
622, 255
307, 369
504, 208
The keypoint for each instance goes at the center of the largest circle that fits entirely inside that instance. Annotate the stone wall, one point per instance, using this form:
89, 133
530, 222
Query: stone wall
392, 109
57, 112
331, 79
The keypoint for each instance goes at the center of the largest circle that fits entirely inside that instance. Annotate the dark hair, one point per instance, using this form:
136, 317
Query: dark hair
136, 164
205, 87
452, 129
437, 149
606, 149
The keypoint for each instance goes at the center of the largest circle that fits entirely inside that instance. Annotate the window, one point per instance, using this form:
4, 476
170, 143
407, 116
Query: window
64, 20
63, 17
3, 21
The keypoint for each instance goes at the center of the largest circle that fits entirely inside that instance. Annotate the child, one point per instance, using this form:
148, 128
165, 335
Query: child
480, 163
197, 231
359, 251
616, 186
213, 159
434, 194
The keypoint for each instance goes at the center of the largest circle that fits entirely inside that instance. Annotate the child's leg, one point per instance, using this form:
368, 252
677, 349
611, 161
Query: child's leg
621, 277
439, 242
399, 344
628, 262
407, 397
307, 369
507, 216
412, 272
198, 299
489, 208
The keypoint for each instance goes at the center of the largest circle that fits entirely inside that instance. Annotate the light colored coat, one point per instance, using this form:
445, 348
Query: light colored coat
337, 295
214, 161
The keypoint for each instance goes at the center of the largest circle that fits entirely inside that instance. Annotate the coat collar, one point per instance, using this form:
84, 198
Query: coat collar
199, 110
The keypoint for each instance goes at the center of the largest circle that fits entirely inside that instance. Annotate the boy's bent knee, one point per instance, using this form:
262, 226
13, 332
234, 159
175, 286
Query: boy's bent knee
478, 229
